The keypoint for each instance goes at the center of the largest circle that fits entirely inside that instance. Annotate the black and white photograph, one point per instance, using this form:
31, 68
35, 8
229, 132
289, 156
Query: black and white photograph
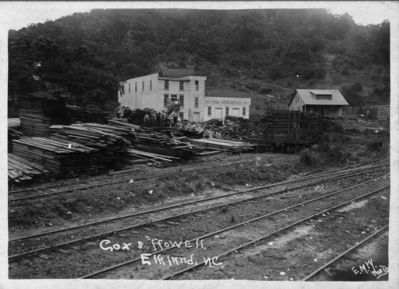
192, 141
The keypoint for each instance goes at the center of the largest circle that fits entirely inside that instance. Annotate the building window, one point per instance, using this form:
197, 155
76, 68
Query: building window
129, 87
181, 85
166, 85
244, 111
174, 97
227, 110
196, 102
196, 85
181, 115
209, 111
165, 99
135, 86
150, 84
324, 96
181, 100
142, 86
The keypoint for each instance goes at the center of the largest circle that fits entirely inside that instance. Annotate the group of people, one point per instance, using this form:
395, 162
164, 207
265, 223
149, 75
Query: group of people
161, 119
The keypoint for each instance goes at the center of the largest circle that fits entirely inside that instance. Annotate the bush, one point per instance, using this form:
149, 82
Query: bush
310, 157
333, 154
331, 126
323, 154
345, 72
374, 145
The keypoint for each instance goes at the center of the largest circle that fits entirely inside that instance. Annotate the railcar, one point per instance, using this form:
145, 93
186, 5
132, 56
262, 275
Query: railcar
287, 130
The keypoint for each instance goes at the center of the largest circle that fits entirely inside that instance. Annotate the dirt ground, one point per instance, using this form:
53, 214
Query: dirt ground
129, 194
292, 253
335, 150
296, 253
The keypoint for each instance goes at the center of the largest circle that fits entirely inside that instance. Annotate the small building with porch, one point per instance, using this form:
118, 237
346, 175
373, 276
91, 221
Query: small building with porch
326, 102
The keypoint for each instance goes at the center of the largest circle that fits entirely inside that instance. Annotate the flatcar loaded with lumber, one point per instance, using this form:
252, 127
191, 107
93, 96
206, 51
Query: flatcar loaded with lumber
288, 130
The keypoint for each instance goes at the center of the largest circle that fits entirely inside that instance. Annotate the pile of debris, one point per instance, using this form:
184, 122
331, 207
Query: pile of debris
191, 129
234, 128
20, 169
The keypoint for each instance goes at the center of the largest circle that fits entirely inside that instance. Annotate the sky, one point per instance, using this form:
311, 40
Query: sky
17, 15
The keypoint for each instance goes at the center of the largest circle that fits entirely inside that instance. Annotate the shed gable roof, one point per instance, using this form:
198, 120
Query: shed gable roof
178, 73
309, 97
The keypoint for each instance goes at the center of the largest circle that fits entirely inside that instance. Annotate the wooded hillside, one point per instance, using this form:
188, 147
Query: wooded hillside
264, 54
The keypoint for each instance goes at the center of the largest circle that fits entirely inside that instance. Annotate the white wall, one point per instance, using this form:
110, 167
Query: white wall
154, 98
142, 98
296, 103
190, 93
218, 104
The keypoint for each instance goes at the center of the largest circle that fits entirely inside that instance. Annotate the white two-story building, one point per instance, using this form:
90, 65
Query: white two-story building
185, 86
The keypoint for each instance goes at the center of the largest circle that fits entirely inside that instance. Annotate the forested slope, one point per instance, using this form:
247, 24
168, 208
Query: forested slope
264, 54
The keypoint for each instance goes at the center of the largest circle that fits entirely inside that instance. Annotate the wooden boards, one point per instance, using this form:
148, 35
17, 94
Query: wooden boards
225, 145
20, 169
59, 157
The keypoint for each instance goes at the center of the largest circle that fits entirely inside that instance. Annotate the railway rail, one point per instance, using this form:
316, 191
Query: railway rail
230, 194
249, 221
245, 245
185, 209
32, 193
91, 183
23, 195
363, 242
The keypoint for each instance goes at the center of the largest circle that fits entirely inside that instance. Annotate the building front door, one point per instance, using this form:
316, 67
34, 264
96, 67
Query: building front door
235, 112
196, 116
218, 113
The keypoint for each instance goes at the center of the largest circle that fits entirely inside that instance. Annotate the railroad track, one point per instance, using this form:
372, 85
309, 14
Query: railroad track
268, 215
235, 249
84, 184
184, 209
32, 193
346, 252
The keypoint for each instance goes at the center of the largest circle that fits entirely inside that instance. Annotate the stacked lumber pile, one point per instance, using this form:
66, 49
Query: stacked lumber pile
164, 143
224, 145
139, 156
122, 123
38, 113
111, 142
20, 169
61, 157
76, 114
169, 145
13, 134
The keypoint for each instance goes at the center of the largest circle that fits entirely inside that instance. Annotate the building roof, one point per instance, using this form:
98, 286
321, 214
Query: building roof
227, 92
178, 73
309, 97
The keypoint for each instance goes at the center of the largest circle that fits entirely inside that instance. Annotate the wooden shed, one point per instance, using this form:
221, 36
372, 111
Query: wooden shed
326, 102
